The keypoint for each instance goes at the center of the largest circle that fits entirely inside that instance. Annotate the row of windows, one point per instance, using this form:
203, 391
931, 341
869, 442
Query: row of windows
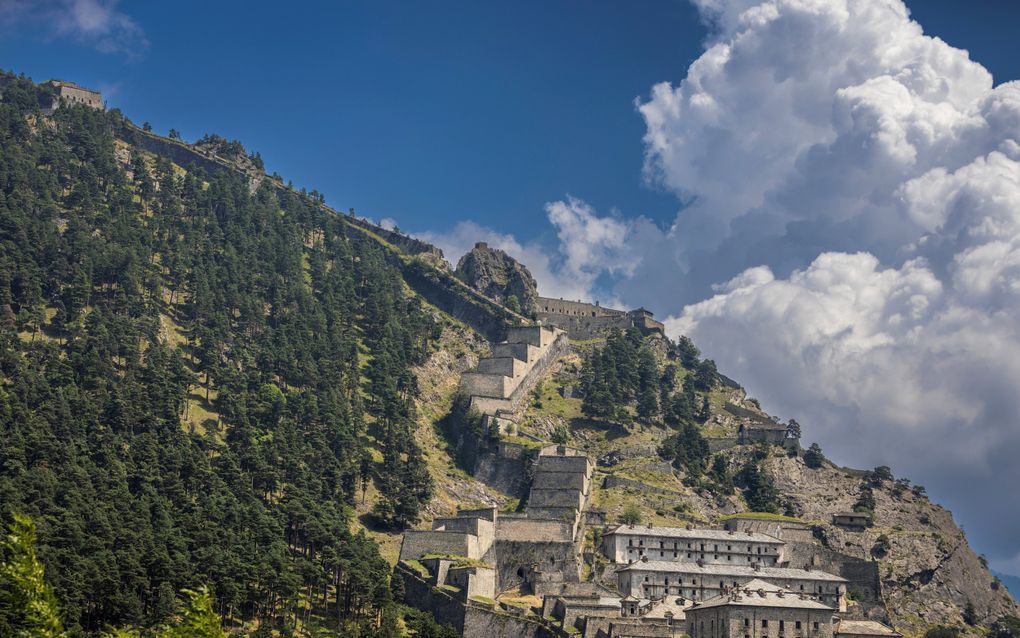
715, 548
798, 625
662, 554
820, 589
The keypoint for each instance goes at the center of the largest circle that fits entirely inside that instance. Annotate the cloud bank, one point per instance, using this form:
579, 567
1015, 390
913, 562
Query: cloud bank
849, 246
855, 189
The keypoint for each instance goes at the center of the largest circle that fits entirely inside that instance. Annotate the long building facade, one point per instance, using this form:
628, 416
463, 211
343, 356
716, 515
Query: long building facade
628, 543
652, 579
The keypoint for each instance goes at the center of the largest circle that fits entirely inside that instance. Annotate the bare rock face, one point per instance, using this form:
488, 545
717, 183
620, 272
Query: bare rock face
500, 277
928, 571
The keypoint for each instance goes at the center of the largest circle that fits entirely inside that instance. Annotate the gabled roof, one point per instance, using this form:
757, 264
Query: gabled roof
733, 571
692, 534
758, 593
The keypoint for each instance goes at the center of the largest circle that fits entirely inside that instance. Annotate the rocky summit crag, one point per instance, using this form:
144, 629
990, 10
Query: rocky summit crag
494, 273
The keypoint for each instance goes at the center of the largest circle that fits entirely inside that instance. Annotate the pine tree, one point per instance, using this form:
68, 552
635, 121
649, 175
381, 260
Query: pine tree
28, 607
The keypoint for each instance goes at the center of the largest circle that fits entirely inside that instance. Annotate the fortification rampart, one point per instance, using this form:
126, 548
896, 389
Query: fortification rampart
471, 618
560, 480
565, 497
418, 543
861, 575
493, 386
526, 529
491, 393
522, 351
588, 321
505, 366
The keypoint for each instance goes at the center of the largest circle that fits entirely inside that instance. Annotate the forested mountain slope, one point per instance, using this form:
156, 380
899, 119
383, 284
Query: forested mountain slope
207, 378
196, 380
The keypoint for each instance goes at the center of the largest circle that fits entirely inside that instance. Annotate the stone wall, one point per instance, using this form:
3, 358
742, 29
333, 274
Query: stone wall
588, 321
565, 497
560, 480
516, 559
417, 543
488, 404
471, 619
506, 366
862, 575
521, 351
526, 529
477, 384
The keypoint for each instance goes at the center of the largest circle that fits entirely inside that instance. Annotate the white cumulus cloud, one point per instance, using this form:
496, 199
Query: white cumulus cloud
851, 250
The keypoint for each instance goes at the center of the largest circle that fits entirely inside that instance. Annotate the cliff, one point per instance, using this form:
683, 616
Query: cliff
499, 276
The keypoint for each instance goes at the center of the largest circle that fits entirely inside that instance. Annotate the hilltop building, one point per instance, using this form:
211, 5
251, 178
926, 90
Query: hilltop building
588, 321
66, 93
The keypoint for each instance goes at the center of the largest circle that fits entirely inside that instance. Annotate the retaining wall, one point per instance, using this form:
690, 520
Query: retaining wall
522, 351
526, 529
506, 366
417, 543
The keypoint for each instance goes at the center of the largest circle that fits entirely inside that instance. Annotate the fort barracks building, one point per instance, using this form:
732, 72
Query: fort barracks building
628, 543
759, 609
654, 579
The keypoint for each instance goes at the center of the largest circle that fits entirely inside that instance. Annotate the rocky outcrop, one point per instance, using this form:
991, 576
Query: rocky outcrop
928, 574
500, 277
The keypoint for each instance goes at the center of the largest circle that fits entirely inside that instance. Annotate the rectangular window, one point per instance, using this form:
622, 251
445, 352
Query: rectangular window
797, 625
747, 622
764, 622
815, 627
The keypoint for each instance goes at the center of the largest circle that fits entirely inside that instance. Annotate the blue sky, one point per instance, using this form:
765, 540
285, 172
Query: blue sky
427, 113
841, 176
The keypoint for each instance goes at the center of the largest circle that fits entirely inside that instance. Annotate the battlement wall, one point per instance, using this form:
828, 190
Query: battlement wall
505, 366
560, 480
527, 529
534, 335
575, 308
490, 405
417, 543
556, 498
521, 351
479, 384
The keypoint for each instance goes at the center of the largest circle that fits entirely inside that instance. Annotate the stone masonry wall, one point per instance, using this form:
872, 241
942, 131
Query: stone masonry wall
524, 529
417, 543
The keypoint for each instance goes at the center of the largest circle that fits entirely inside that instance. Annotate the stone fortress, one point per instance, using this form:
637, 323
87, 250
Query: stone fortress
464, 566
501, 380
66, 93
584, 321
63, 93
473, 569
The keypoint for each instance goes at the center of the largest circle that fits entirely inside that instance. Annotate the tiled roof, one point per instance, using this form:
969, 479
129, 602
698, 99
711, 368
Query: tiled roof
735, 571
707, 534
758, 593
